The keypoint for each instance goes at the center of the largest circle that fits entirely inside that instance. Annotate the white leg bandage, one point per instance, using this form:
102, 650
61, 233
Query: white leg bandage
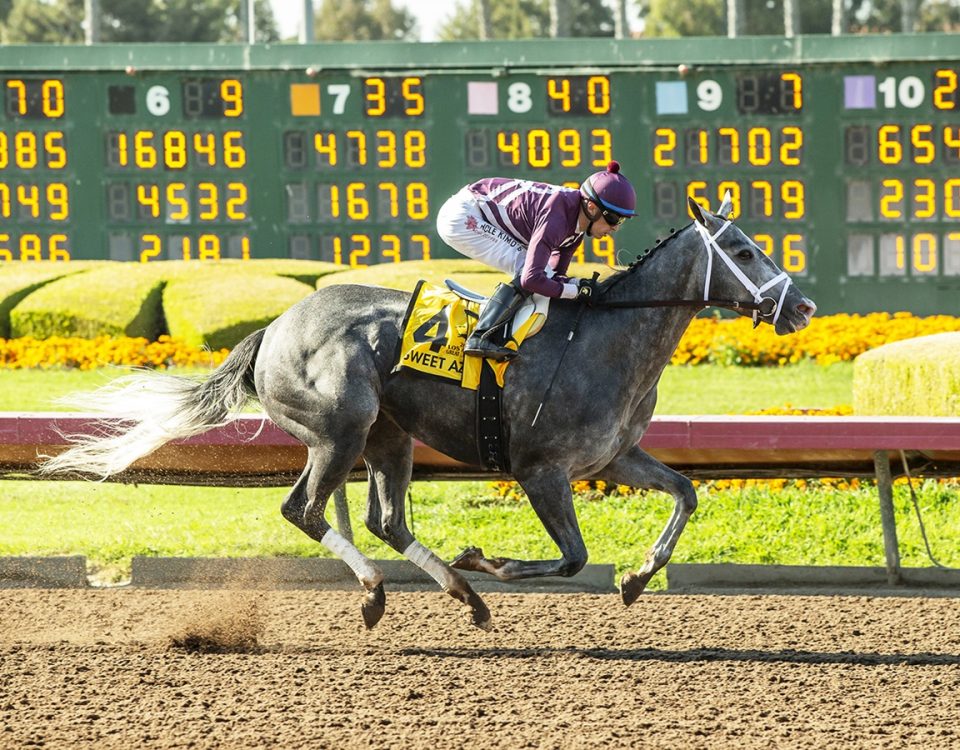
428, 562
366, 572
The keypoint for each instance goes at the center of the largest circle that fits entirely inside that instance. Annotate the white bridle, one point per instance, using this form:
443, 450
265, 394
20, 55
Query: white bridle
710, 243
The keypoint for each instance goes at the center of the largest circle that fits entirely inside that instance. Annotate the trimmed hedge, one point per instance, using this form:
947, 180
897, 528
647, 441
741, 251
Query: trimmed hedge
915, 377
121, 299
17, 281
219, 309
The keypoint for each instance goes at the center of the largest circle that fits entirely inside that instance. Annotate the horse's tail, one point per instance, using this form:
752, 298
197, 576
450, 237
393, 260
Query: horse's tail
152, 409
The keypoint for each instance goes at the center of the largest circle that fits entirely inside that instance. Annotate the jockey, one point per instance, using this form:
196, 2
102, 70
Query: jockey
531, 230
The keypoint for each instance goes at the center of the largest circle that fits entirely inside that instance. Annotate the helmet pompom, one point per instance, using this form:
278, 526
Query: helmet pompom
613, 167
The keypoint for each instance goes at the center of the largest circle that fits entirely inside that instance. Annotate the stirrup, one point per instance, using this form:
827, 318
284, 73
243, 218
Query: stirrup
481, 347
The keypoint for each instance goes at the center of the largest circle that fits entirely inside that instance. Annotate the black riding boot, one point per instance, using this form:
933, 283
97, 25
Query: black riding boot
495, 312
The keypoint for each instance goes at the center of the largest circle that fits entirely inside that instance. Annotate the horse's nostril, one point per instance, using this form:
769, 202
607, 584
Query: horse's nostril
807, 307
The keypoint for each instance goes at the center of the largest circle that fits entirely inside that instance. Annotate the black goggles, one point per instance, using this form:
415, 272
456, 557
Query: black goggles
612, 217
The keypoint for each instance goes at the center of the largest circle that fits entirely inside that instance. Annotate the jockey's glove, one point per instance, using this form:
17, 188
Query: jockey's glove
586, 290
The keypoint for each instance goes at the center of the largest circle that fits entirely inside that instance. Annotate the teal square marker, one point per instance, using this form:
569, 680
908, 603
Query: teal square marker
671, 97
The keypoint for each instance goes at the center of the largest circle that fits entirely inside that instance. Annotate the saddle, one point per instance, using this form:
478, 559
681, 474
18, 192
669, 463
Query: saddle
535, 304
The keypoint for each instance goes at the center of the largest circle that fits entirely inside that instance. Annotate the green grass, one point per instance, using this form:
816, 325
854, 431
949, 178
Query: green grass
111, 523
704, 389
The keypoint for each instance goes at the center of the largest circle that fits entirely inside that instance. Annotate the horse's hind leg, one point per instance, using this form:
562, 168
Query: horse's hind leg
304, 507
389, 458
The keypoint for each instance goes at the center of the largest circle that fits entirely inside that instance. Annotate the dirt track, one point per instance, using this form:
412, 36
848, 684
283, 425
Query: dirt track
99, 669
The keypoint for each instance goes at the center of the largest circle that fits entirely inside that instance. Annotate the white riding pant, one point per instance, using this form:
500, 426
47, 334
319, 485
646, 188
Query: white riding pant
461, 225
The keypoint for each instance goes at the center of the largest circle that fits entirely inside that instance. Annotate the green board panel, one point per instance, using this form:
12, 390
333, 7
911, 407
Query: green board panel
842, 155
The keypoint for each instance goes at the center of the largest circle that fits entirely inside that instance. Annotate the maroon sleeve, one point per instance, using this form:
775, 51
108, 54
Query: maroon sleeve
549, 232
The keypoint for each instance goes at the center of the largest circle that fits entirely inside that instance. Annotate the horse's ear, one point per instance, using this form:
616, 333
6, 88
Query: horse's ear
726, 207
696, 211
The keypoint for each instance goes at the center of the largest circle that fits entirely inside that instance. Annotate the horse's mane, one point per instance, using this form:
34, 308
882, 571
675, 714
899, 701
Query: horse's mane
622, 273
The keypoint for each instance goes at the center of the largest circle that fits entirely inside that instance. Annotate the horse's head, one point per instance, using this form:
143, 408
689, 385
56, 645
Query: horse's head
737, 269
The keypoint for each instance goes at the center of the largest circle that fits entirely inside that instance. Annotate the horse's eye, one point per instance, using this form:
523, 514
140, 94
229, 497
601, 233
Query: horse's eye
745, 254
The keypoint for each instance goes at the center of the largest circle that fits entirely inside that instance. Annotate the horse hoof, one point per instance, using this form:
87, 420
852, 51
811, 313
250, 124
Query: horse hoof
632, 585
374, 604
481, 618
468, 559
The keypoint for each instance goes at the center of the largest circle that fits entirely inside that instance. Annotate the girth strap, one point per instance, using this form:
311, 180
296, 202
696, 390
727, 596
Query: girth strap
491, 444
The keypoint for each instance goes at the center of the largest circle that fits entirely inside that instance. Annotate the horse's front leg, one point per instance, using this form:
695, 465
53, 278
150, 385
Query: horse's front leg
636, 468
551, 498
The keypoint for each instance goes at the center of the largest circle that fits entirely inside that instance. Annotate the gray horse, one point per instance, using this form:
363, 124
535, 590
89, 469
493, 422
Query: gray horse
323, 372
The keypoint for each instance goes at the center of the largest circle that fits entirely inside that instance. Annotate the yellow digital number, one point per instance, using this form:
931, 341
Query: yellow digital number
568, 142
28, 196
25, 149
703, 147
390, 247
951, 198
54, 149
234, 154
734, 189
57, 248
360, 138
558, 89
794, 256
5, 254
175, 149
31, 247
208, 247
205, 144
58, 199
208, 198
945, 89
19, 89
325, 144
335, 201
415, 105
424, 242
231, 92
508, 142
393, 197
144, 152
664, 147
244, 248
893, 194
766, 190
794, 202
415, 149
889, 148
924, 199
178, 207
796, 88
951, 140
418, 204
698, 191
603, 248
765, 243
4, 150
386, 149
790, 146
122, 148
924, 252
148, 196
538, 148
358, 207
598, 95
338, 251
733, 135
759, 147
360, 249
4, 201
601, 146
923, 148
51, 93
376, 96
236, 201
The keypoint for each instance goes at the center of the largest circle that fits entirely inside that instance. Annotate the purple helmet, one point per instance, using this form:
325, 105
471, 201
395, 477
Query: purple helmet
611, 191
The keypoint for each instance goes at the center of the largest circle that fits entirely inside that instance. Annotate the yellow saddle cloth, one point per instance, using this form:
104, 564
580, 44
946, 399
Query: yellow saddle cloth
435, 330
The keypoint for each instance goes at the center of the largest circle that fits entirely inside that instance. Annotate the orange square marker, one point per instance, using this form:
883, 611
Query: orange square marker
305, 99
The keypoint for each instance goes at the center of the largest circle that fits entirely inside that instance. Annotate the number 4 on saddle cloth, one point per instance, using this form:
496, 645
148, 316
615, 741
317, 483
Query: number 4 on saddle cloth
436, 326
435, 329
